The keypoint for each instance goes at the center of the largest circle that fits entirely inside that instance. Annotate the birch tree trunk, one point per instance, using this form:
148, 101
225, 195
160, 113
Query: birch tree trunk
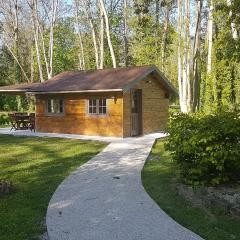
16, 45
81, 52
196, 57
179, 2
165, 32
108, 33
42, 40
188, 43
94, 38
51, 40
184, 62
101, 39
210, 38
125, 39
233, 25
33, 6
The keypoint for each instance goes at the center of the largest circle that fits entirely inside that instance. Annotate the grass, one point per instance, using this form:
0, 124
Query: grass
36, 166
159, 180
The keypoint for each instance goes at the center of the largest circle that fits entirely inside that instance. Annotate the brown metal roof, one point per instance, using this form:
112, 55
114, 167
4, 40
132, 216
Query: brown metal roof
118, 79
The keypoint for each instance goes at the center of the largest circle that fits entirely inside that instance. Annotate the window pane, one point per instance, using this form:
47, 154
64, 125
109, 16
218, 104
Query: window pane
90, 109
97, 106
55, 106
61, 106
49, 106
104, 110
102, 102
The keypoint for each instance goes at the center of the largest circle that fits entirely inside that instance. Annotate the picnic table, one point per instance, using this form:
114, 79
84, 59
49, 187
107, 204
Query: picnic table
21, 121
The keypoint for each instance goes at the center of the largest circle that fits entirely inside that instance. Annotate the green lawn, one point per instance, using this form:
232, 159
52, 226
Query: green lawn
159, 180
36, 166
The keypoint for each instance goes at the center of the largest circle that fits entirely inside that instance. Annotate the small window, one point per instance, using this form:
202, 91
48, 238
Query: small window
55, 106
97, 106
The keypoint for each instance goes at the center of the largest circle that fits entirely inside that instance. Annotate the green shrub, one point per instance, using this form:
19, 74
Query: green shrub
206, 147
4, 119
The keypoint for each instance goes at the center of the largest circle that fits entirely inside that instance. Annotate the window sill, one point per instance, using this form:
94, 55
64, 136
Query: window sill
97, 115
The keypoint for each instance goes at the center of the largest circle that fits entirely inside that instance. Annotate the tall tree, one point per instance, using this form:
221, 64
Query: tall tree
81, 51
167, 5
102, 5
180, 32
125, 30
94, 35
197, 57
210, 38
54, 9
233, 25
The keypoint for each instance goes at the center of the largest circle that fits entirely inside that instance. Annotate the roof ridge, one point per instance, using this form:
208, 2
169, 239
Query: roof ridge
104, 69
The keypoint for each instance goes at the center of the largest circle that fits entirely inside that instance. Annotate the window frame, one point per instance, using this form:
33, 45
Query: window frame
52, 113
97, 114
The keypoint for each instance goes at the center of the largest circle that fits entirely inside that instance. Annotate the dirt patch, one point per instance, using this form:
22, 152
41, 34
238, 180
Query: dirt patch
224, 198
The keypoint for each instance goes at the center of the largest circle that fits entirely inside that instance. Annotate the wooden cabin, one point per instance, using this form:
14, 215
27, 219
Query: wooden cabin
119, 102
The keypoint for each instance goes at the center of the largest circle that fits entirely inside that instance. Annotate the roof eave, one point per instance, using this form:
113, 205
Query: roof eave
82, 91
15, 91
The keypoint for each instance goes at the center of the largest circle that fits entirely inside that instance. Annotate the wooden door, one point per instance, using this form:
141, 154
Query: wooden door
136, 112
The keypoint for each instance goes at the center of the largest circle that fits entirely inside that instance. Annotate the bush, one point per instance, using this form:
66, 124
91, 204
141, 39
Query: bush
206, 147
4, 120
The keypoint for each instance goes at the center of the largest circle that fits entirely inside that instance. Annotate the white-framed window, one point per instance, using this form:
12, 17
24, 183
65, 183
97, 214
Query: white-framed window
97, 106
55, 106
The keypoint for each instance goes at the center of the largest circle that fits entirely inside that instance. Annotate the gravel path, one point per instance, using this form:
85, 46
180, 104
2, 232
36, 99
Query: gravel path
104, 199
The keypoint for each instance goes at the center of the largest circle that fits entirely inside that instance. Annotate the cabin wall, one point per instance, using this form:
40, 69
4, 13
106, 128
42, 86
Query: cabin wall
154, 107
76, 120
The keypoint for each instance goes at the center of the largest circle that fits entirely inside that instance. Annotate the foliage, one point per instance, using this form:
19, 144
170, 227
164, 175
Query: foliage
221, 89
206, 147
65, 50
35, 166
159, 180
4, 119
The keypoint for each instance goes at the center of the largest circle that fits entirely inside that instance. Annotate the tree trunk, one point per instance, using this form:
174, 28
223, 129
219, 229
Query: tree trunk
185, 63
210, 38
165, 32
51, 40
185, 100
36, 38
233, 25
188, 43
33, 6
108, 33
38, 26
93, 38
16, 44
101, 39
180, 52
125, 39
157, 10
81, 52
196, 58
